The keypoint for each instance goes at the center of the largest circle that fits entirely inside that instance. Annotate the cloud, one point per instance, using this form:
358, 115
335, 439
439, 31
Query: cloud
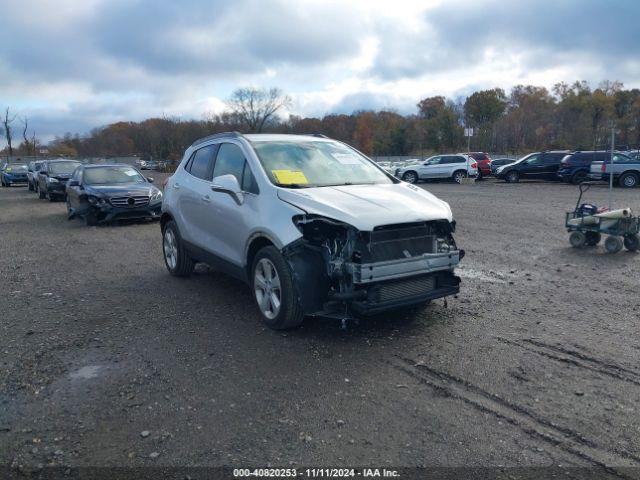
72, 66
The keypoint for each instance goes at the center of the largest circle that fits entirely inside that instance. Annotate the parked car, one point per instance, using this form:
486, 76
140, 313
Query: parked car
500, 162
12, 173
53, 176
626, 171
105, 193
535, 166
484, 163
312, 225
453, 167
575, 166
32, 174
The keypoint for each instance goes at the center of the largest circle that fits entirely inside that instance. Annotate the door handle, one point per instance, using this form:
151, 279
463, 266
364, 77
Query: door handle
206, 198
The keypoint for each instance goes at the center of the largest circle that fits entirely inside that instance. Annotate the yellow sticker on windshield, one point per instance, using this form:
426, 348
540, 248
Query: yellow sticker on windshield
289, 177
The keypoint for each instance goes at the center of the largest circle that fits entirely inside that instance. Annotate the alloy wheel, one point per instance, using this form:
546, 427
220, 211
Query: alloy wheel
266, 283
170, 248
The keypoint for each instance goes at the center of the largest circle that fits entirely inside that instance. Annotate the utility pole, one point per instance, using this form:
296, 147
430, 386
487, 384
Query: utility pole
613, 140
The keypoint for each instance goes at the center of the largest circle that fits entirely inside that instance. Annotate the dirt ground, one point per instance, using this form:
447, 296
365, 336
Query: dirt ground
109, 361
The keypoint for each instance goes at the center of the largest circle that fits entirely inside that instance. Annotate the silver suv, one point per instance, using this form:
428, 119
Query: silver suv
454, 167
310, 224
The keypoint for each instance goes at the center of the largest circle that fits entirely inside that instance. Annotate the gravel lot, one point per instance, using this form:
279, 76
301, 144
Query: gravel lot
109, 361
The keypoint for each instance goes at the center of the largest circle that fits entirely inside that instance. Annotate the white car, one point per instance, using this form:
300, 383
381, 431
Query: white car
450, 166
311, 225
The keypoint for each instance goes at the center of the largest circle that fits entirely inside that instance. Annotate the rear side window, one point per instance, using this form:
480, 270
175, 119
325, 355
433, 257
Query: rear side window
201, 163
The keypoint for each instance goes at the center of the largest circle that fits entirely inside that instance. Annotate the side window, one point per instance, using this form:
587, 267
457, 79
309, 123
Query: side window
230, 161
248, 180
534, 160
434, 161
458, 159
201, 162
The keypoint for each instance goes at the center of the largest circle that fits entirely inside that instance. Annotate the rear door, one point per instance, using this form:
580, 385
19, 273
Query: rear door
194, 195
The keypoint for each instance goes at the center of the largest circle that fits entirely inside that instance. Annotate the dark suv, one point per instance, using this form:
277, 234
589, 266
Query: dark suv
575, 167
535, 166
53, 176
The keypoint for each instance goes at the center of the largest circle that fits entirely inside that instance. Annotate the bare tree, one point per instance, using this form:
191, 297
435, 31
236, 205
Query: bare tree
8, 131
25, 124
255, 107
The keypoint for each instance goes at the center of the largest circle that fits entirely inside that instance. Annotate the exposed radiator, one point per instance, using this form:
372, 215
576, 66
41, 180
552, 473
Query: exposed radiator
401, 241
406, 288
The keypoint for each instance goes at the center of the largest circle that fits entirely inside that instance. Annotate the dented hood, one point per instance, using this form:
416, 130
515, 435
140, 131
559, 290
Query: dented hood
368, 206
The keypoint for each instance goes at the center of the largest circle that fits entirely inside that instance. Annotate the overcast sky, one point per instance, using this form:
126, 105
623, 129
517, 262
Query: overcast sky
72, 65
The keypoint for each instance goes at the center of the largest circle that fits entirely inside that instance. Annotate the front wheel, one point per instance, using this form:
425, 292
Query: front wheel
178, 262
579, 177
631, 242
42, 194
513, 177
613, 244
274, 291
459, 176
410, 177
30, 187
577, 239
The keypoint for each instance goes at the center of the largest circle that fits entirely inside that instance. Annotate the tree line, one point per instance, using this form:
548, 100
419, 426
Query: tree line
527, 118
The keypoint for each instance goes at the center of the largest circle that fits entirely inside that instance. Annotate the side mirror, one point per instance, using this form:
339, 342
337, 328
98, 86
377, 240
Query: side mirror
228, 184
73, 183
150, 179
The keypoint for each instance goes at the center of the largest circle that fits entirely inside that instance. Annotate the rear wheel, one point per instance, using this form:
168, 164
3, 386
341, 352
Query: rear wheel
410, 177
593, 238
479, 176
577, 239
613, 244
512, 177
274, 291
42, 194
628, 180
631, 242
176, 258
459, 175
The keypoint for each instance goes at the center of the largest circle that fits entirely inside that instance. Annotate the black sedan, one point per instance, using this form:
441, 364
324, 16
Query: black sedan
53, 176
105, 193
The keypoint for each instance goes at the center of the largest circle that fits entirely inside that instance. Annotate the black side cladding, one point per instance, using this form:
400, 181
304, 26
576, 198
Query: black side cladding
309, 275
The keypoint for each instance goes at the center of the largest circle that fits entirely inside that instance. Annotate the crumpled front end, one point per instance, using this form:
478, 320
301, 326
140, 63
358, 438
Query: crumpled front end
339, 269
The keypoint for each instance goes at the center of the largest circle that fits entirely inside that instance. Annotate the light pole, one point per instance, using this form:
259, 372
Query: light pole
612, 124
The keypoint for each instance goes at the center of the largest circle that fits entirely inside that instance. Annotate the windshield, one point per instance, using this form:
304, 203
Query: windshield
61, 168
16, 168
112, 175
316, 164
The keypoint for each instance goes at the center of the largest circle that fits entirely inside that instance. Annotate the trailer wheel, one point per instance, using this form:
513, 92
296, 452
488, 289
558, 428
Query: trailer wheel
613, 244
631, 242
593, 238
577, 239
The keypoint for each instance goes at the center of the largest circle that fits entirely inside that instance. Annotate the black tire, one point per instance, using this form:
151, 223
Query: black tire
579, 177
593, 238
613, 244
512, 177
90, 219
410, 176
42, 194
577, 239
184, 264
631, 242
31, 187
52, 198
479, 176
628, 180
290, 314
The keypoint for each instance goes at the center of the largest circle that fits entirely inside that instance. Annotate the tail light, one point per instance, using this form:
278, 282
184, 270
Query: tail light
603, 168
474, 165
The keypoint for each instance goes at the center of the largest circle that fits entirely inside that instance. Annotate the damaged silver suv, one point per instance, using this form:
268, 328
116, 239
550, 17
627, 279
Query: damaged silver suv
312, 225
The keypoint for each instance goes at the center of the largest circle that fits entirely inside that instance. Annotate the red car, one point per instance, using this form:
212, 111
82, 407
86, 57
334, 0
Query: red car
484, 163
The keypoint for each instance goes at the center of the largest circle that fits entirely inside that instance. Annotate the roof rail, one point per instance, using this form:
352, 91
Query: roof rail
217, 135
